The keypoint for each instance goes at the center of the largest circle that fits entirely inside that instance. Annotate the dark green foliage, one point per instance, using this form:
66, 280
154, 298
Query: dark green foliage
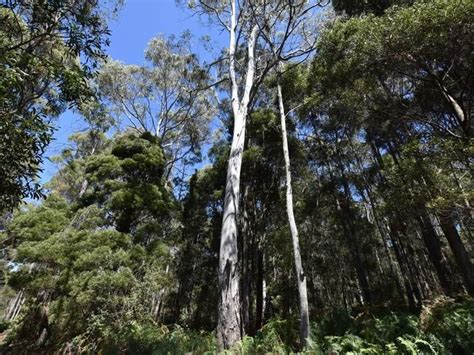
128, 182
444, 327
93, 286
387, 333
358, 7
452, 322
387, 146
122, 255
82, 276
404, 60
153, 339
199, 245
40, 77
34, 223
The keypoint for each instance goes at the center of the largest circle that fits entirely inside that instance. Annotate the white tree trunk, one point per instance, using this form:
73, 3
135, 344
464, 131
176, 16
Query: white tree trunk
85, 182
300, 275
229, 326
229, 322
14, 306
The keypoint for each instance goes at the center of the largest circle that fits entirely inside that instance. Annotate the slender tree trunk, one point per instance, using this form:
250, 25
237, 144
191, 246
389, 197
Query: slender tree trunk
349, 230
246, 263
414, 298
430, 238
300, 275
229, 325
259, 307
350, 235
461, 117
370, 200
435, 252
14, 306
158, 301
459, 251
85, 182
361, 272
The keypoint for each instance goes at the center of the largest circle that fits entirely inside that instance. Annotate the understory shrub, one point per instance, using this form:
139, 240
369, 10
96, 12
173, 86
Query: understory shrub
445, 326
277, 336
153, 339
451, 321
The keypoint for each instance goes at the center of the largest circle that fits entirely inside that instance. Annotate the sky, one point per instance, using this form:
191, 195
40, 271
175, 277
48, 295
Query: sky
137, 22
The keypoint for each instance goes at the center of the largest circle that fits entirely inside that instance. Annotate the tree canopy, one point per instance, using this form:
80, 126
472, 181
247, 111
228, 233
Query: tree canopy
48, 51
309, 190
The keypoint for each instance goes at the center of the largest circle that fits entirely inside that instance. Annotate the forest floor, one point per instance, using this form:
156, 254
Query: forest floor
442, 326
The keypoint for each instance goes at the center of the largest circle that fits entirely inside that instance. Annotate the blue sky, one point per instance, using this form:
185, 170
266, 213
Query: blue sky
137, 22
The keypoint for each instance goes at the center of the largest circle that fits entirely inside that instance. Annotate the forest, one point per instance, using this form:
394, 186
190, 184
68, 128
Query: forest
298, 180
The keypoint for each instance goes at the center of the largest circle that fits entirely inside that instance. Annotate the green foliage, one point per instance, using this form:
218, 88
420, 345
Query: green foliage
93, 275
4, 325
350, 344
277, 336
451, 322
357, 7
116, 260
388, 327
40, 77
159, 339
401, 59
84, 278
34, 223
336, 323
128, 182
390, 333
169, 96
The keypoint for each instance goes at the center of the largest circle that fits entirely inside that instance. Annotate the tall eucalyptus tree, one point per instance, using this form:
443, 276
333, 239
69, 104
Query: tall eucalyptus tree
287, 29
168, 97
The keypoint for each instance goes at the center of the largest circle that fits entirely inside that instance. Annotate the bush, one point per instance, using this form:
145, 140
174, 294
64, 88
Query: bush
277, 336
387, 328
349, 344
450, 321
392, 333
4, 325
158, 339
445, 326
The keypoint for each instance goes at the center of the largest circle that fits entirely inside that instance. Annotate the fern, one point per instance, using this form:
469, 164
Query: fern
407, 346
350, 344
425, 346
451, 322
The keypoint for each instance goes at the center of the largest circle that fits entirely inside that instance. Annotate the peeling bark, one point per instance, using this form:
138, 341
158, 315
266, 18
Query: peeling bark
229, 325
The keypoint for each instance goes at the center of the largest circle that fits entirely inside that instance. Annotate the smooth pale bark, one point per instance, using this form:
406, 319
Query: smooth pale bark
85, 182
158, 299
300, 275
457, 109
260, 298
246, 261
229, 324
14, 306
229, 320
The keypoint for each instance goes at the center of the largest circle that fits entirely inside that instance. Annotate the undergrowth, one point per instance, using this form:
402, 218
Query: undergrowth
444, 326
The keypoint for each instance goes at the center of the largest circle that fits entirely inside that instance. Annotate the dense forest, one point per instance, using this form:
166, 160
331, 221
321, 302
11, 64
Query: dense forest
307, 187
